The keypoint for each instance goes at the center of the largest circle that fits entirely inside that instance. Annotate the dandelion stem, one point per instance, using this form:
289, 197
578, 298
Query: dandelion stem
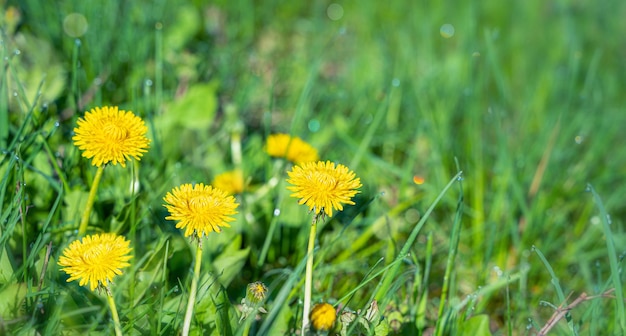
116, 318
308, 277
92, 196
194, 288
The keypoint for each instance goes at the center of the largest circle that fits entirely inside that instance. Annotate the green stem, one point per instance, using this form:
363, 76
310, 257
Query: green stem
308, 277
116, 318
194, 288
92, 196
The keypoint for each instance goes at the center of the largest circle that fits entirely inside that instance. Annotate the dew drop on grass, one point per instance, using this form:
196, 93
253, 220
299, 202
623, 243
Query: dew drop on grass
276, 212
395, 82
533, 248
148, 82
77, 42
608, 219
17, 51
579, 139
57, 124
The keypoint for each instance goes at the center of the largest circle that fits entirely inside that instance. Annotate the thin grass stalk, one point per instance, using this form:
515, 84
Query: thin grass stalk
82, 229
391, 276
613, 264
161, 301
193, 290
454, 244
557, 286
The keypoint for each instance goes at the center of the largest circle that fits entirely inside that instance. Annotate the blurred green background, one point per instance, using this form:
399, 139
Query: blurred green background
528, 96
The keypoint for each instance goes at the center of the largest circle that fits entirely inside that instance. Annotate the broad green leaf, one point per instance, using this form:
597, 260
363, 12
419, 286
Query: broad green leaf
476, 325
228, 265
11, 299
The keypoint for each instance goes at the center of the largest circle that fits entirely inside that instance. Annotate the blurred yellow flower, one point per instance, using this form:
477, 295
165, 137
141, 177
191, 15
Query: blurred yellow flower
230, 181
110, 135
322, 186
96, 259
200, 209
323, 317
292, 148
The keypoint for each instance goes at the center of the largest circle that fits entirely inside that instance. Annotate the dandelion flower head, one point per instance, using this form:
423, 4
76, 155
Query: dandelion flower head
322, 317
322, 186
293, 149
256, 292
200, 209
230, 181
108, 134
96, 259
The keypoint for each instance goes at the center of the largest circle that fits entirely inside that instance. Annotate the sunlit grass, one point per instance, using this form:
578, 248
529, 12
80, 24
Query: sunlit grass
525, 98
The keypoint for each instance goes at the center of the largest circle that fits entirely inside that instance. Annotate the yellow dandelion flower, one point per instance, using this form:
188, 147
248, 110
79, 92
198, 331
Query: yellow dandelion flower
200, 209
230, 181
323, 317
322, 186
292, 148
110, 135
96, 259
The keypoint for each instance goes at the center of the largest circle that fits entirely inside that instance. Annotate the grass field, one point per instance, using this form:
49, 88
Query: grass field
488, 138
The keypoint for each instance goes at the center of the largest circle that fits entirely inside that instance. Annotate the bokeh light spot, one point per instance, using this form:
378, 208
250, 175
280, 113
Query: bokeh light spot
314, 125
446, 30
334, 11
75, 25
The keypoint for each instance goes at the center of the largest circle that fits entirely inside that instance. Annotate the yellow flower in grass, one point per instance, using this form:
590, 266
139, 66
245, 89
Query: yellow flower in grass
200, 209
230, 181
292, 148
322, 186
110, 135
323, 317
96, 259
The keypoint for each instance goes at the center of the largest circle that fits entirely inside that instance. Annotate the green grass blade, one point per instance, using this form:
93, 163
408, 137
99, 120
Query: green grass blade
615, 269
389, 278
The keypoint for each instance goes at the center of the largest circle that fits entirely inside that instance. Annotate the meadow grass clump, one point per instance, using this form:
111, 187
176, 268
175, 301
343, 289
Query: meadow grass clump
459, 164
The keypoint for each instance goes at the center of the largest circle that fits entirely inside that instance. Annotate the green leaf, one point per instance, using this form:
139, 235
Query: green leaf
229, 264
476, 325
11, 298
75, 202
6, 269
195, 110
